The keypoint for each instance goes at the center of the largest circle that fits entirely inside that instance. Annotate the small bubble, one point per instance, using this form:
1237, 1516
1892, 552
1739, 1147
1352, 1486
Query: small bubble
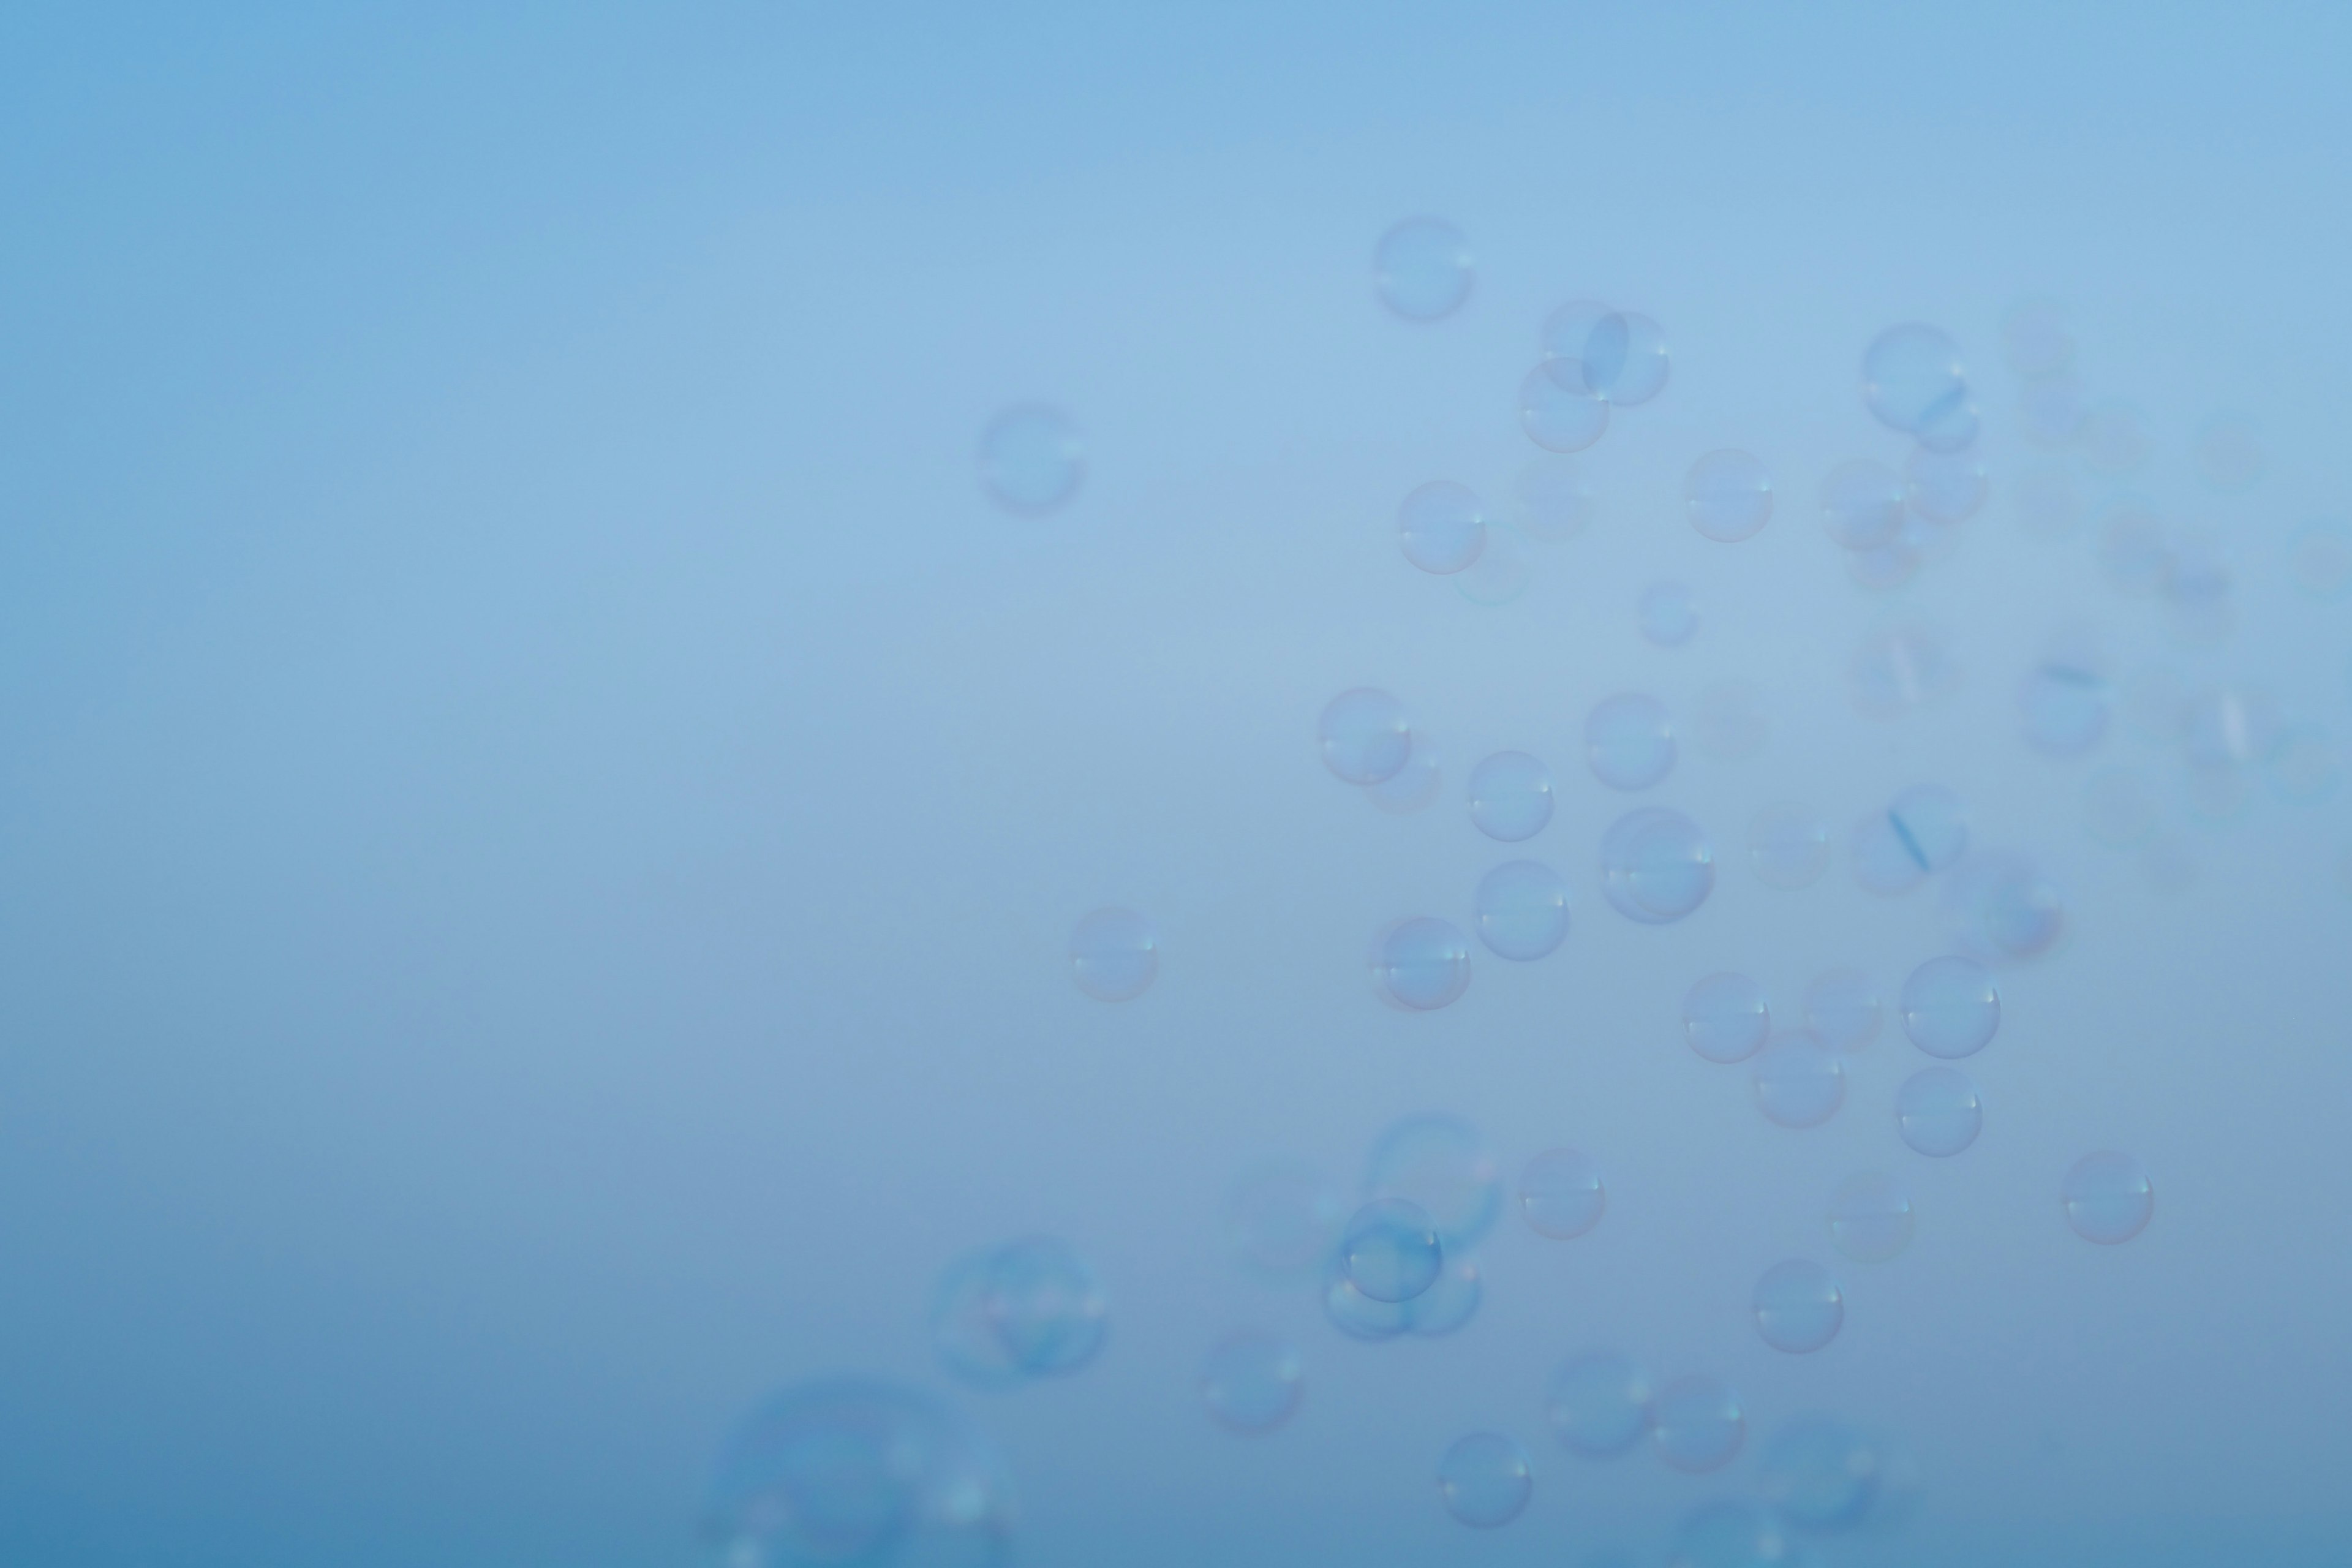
1798, 1307
1629, 742
1522, 910
1788, 845
1442, 527
1728, 496
1561, 1195
1950, 1008
1485, 1479
1697, 1424
2107, 1197
1666, 616
1421, 268
1797, 1081
1870, 1218
1390, 1250
1557, 411
1841, 1009
1657, 867
1598, 1404
1510, 796
1420, 964
1031, 459
1364, 736
1938, 1111
1114, 956
1251, 1383
1725, 1017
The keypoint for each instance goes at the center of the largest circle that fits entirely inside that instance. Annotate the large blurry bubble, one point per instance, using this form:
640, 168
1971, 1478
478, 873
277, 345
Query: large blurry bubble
1421, 268
1364, 736
1485, 1479
1031, 459
1911, 375
1283, 1221
1697, 1424
1031, 1307
1656, 866
1251, 1383
1440, 1164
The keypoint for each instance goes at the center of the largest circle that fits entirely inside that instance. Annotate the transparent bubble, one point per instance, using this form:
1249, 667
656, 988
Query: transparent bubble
1485, 1479
1842, 1010
1697, 1425
2198, 585
1283, 1221
1557, 411
1451, 1300
2034, 340
1412, 786
1944, 486
2118, 808
1031, 459
2229, 726
1938, 1111
1421, 964
2156, 704
2047, 500
1822, 1474
2219, 791
1788, 845
1522, 910
1561, 1195
1421, 268
1726, 1534
1657, 867
1950, 1007
2113, 439
1909, 374
1589, 342
1728, 721
1922, 831
1901, 668
1114, 956
1725, 1017
1798, 1307
1251, 1383
2320, 559
1357, 1315
855, 1471
1440, 1164
2302, 766
1390, 1251
1648, 363
2229, 453
1999, 907
1442, 527
1728, 496
1598, 1404
1552, 498
2133, 550
1629, 742
1870, 1218
1510, 796
1503, 570
1951, 427
1861, 504
1798, 1080
1667, 616
2063, 700
1031, 1307
2050, 409
2108, 1197
1364, 736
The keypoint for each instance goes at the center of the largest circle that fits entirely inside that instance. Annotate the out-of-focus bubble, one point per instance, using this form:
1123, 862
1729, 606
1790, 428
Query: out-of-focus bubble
1364, 736
1666, 614
1031, 459
1390, 1250
1944, 486
2229, 726
2220, 792
1648, 363
2113, 439
1283, 1221
2198, 584
1485, 1479
1728, 495
1557, 411
1521, 909
2320, 559
1657, 867
1441, 527
1861, 504
1441, 1165
1870, 1218
1725, 1534
1725, 1017
1590, 341
852, 1471
1798, 1080
1788, 845
1842, 1010
1503, 570
2229, 453
1552, 498
2133, 549
1938, 1111
2034, 339
1798, 1307
1031, 1307
1510, 796
1950, 1007
1420, 964
2156, 704
1922, 831
1909, 375
2050, 409
1999, 907
2118, 808
1728, 720
1822, 1474
2107, 1197
1357, 1315
1114, 954
2063, 702
1561, 1195
1451, 1300
1697, 1424
1412, 786
2047, 501
1598, 1404
2302, 766
1951, 427
1885, 567
1251, 1383
1629, 742
1899, 669
1421, 268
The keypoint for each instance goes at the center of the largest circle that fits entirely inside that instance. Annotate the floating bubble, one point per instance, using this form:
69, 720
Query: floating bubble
1798, 1080
1251, 1383
1364, 736
1440, 1164
1421, 964
1485, 1479
1733, 1535
1421, 268
2320, 559
1629, 742
2113, 439
1861, 504
1503, 570
1788, 845
1390, 1251
2050, 410
1451, 1300
1587, 342
2034, 340
1114, 954
1510, 796
1648, 363
1798, 1307
1551, 498
852, 1471
2156, 705
1951, 427
1822, 1474
1522, 910
1598, 1404
1729, 722
1031, 1307
1870, 1218
1561, 1195
2302, 766
1728, 496
1950, 1008
2118, 808
2133, 550
1938, 1111
1725, 1017
1557, 411
1886, 566
1031, 459
2229, 453
1901, 668
1667, 616
1922, 831
1412, 786
2063, 700
2198, 584
1283, 1221
1842, 1010
1999, 907
1908, 374
2108, 1197
2047, 500
1442, 527
1657, 867
1357, 1315
1697, 1425
1944, 486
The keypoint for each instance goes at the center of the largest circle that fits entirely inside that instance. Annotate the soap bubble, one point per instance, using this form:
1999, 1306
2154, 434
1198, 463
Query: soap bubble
1587, 342
1797, 1081
1861, 504
1733, 1535
1551, 498
1421, 964
1938, 1111
1251, 1383
1557, 411
1666, 616
1561, 1195
1114, 954
2198, 584
1951, 427
1442, 527
1901, 668
2047, 500
1950, 1008
2320, 559
2108, 1197
1798, 1307
1598, 1404
1510, 796
1648, 363
2062, 702
1503, 570
1824, 1474
1451, 1300
1657, 867
1870, 1218
1522, 910
1357, 1315
1031, 459
1728, 496
1485, 1479
2133, 549
1283, 1221
1421, 268
1440, 1164
1944, 486
1788, 845
1908, 374
1629, 742
1697, 1425
1842, 1010
1364, 736
1412, 786
1728, 721
1031, 1307
1390, 1251
1999, 907
1725, 1017
2034, 340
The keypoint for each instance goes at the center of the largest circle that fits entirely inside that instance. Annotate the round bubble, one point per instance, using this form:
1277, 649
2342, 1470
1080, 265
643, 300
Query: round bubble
2118, 808
1648, 363
1251, 1383
1901, 668
1114, 954
1031, 1307
1588, 340
2034, 339
2198, 585
856, 1472
1822, 1474
1728, 496
1999, 907
2133, 550
1440, 1164
1357, 1315
1733, 1535
1552, 498
1938, 1111
1870, 1218
1908, 374
2063, 702
1485, 1479
1629, 742
1522, 910
1667, 616
1657, 867
1421, 268
1943, 487
1950, 1008
1442, 527
1697, 1425
1557, 411
1725, 1017
1561, 1195
1451, 1300
1598, 1404
1283, 1221
2113, 439
2319, 557
1798, 1080
1364, 736
1798, 1307
1390, 1250
1503, 570
1031, 459
1841, 1009
1951, 427
1861, 504
2050, 409
1421, 964
2047, 500
1886, 566
2108, 1197
1729, 722
1788, 845
1412, 786
1510, 796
